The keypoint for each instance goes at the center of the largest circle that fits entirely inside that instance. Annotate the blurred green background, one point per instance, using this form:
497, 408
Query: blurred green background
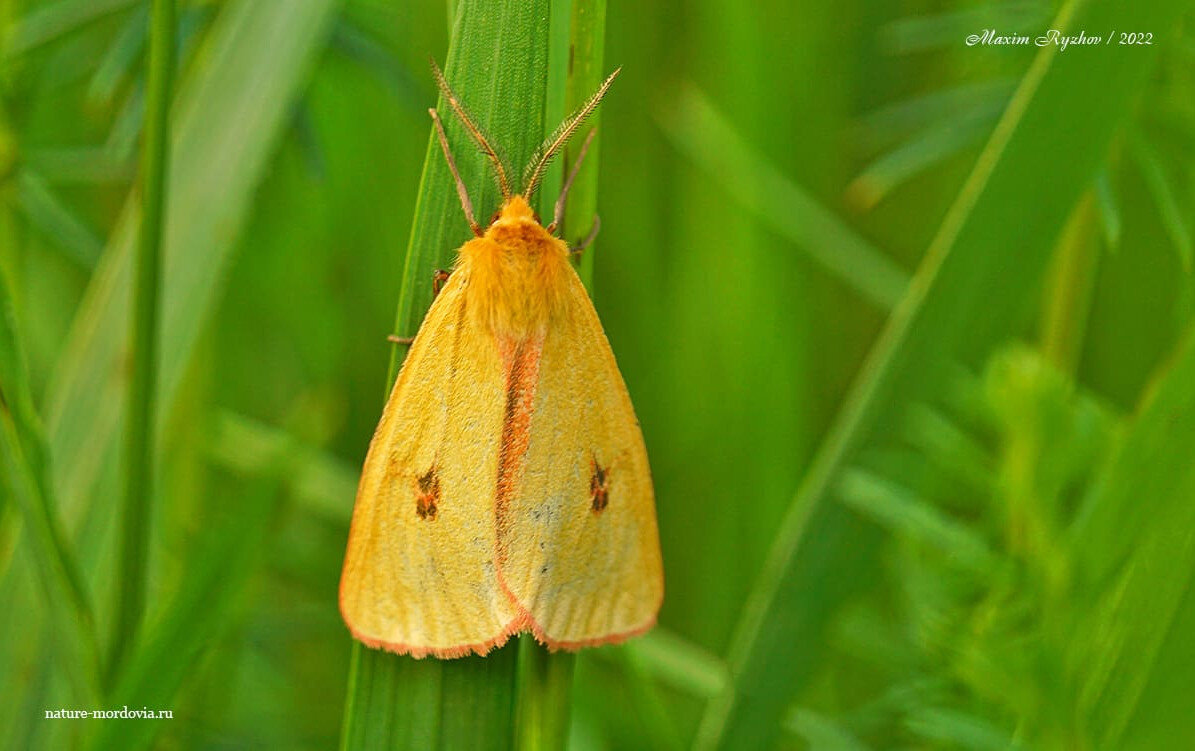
907, 324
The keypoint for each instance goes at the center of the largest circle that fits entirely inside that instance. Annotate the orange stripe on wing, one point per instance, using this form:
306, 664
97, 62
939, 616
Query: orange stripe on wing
520, 359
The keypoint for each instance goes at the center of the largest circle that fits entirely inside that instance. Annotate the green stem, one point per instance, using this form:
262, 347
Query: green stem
544, 695
139, 413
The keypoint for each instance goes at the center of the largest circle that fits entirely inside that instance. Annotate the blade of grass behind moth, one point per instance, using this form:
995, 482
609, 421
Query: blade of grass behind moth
1169, 207
1070, 285
49, 214
969, 292
192, 620
141, 401
56, 20
927, 148
497, 63
226, 124
23, 466
544, 698
1137, 562
120, 58
706, 137
228, 114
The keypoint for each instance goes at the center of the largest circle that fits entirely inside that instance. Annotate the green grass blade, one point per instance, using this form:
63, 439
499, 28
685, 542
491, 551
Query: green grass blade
51, 216
901, 511
708, 138
56, 20
25, 475
193, 619
958, 730
497, 62
84, 164
1071, 280
544, 690
228, 116
967, 294
821, 732
898, 121
227, 119
1170, 209
120, 58
1134, 544
122, 138
674, 661
142, 389
317, 481
933, 145
1109, 206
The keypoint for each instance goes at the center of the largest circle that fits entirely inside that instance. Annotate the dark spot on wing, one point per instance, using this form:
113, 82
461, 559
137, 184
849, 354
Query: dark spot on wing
599, 494
429, 494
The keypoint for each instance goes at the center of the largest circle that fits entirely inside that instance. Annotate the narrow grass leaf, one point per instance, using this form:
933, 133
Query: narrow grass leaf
318, 481
1135, 544
227, 119
55, 20
902, 512
954, 451
932, 146
93, 165
821, 732
1169, 211
122, 138
47, 212
968, 293
217, 573
586, 66
958, 730
703, 134
120, 59
658, 727
1109, 207
25, 473
902, 119
674, 661
228, 115
141, 402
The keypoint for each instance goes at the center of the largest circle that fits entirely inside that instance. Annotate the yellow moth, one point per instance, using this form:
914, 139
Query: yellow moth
506, 488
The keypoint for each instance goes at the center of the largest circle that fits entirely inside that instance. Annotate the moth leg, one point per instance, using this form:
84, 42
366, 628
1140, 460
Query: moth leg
578, 249
439, 276
558, 212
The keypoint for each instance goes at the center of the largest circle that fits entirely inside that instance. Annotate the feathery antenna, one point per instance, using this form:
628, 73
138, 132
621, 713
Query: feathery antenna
549, 148
467, 121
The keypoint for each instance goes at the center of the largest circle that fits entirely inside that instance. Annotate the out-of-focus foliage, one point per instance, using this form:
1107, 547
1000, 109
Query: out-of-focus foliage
1009, 556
